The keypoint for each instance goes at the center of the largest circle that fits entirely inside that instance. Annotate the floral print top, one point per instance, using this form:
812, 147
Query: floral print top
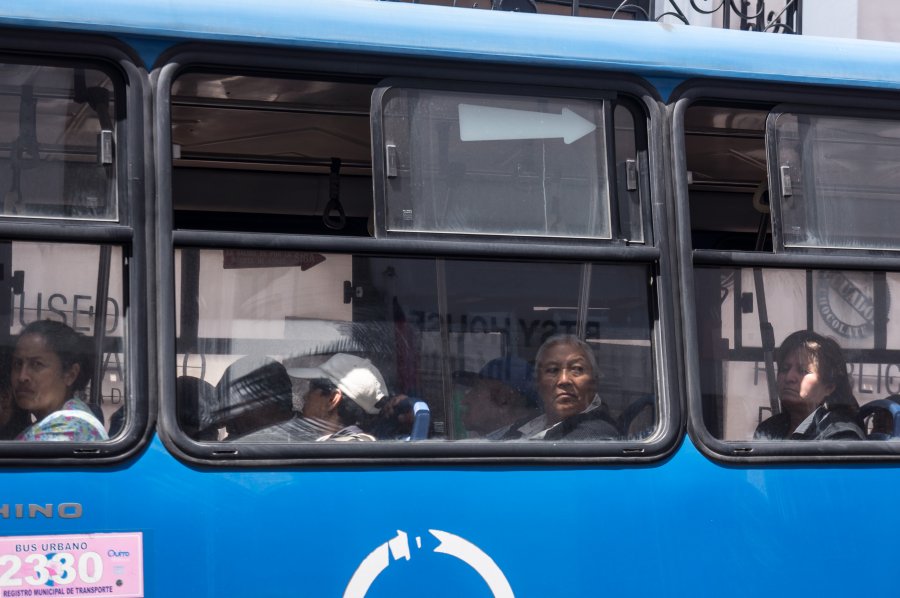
74, 422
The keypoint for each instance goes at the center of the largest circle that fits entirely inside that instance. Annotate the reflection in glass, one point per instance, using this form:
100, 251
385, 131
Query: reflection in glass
802, 372
57, 129
839, 181
506, 165
454, 342
62, 367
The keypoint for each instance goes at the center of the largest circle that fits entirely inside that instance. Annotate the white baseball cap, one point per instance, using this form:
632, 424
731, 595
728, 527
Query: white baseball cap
356, 378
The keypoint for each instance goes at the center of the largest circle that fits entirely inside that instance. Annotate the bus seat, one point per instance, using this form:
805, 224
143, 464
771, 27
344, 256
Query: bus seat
116, 422
638, 412
194, 405
885, 422
405, 418
254, 393
421, 421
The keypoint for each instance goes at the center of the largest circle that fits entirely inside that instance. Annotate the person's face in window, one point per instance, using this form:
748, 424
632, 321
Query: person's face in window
566, 382
318, 402
798, 383
40, 384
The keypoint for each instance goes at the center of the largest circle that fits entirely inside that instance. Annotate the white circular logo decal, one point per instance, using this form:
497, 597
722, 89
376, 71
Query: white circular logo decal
846, 303
398, 547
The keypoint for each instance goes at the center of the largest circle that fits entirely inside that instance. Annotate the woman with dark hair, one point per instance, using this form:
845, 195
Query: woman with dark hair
814, 390
51, 365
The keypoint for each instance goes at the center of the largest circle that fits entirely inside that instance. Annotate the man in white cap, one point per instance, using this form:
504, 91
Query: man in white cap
344, 392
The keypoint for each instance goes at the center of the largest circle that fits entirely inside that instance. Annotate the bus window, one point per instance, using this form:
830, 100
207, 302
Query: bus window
493, 164
63, 368
306, 142
819, 163
793, 336
309, 307
57, 131
727, 176
446, 332
756, 325
838, 180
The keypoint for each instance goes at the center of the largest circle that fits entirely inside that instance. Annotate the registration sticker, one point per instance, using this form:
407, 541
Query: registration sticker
72, 565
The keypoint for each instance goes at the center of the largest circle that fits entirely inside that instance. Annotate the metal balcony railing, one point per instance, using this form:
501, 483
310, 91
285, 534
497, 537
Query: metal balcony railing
776, 16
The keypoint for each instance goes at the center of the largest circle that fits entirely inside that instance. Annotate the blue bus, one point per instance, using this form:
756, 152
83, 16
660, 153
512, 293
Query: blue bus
358, 298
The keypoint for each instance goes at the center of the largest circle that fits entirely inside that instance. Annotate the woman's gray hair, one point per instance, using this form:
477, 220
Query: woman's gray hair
571, 340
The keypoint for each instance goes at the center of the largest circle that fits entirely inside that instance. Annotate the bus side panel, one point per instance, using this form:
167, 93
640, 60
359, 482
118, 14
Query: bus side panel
684, 527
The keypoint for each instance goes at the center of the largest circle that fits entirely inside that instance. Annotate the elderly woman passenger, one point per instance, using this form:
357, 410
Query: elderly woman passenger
566, 374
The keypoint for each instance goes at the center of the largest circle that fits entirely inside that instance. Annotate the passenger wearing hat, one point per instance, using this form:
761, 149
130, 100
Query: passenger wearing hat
501, 393
344, 392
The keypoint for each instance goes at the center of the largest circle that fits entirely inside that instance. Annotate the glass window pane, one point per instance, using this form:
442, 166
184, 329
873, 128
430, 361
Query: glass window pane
57, 128
271, 154
829, 351
63, 375
493, 164
287, 121
839, 181
267, 338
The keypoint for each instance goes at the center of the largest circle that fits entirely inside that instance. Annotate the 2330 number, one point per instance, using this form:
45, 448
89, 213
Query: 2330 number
62, 568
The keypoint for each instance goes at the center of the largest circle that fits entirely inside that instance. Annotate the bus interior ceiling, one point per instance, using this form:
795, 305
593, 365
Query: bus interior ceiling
262, 154
727, 175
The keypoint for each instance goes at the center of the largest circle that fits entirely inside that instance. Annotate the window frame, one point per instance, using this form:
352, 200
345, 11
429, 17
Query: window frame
129, 232
831, 99
382, 203
877, 112
120, 163
313, 64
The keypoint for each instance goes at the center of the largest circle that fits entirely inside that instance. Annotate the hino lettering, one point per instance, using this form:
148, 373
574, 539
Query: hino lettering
64, 510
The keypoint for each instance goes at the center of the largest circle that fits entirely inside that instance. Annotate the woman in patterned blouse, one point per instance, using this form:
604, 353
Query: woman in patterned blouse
51, 365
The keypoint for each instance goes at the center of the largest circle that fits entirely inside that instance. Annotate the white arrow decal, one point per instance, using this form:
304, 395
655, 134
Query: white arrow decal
488, 123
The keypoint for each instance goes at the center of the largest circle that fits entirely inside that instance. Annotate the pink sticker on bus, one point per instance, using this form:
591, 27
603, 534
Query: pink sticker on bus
72, 565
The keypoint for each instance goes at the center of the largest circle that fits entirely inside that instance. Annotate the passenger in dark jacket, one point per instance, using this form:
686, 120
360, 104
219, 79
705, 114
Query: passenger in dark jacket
814, 390
566, 376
